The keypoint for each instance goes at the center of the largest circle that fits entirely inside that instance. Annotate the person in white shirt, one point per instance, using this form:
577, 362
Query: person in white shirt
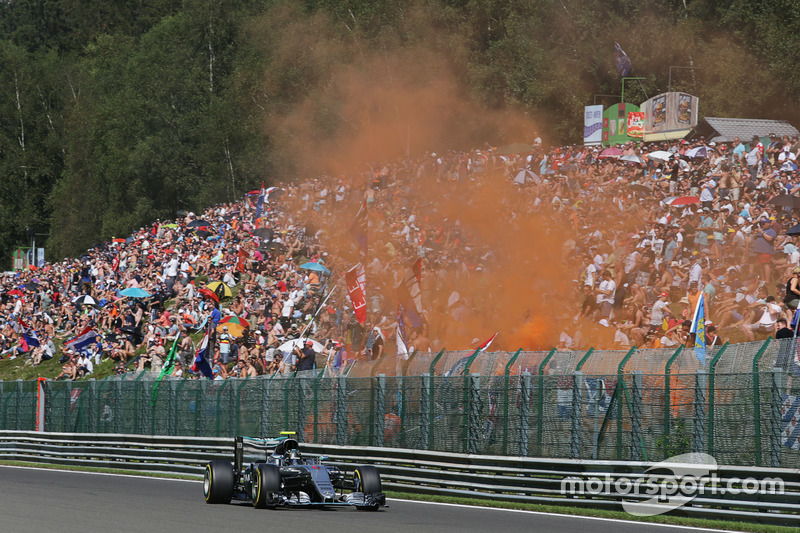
769, 317
605, 294
84, 365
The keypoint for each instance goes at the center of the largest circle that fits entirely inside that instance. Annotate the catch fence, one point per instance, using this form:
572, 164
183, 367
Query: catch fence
742, 406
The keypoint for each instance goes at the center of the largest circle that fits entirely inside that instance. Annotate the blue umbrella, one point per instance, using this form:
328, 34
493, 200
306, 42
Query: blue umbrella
315, 266
135, 292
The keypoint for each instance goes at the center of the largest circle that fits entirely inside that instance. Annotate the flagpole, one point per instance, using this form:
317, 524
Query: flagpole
335, 286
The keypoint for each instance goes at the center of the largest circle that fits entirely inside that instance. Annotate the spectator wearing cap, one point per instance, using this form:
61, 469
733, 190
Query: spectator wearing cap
657, 313
224, 343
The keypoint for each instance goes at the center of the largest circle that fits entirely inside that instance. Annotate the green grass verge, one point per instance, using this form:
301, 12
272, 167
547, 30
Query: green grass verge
559, 509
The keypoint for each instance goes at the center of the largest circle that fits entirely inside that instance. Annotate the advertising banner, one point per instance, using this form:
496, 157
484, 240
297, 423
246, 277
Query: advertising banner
636, 124
592, 125
615, 124
669, 116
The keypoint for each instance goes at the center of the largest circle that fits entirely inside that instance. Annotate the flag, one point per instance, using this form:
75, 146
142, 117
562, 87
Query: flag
82, 339
201, 356
260, 201
28, 334
699, 329
410, 295
166, 370
359, 228
624, 65
487, 343
402, 348
355, 278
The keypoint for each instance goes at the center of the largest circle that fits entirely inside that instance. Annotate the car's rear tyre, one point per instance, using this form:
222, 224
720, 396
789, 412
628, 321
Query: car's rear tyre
218, 482
366, 479
266, 484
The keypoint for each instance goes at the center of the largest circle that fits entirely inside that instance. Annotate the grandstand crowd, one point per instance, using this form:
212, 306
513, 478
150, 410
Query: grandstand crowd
644, 230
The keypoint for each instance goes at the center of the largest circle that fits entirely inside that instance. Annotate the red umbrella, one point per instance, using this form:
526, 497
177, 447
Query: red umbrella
15, 292
610, 152
209, 294
681, 200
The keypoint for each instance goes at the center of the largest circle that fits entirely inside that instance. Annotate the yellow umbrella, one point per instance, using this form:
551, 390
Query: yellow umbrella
220, 289
235, 330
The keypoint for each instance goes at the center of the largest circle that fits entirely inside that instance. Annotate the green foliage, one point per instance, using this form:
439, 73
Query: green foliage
114, 114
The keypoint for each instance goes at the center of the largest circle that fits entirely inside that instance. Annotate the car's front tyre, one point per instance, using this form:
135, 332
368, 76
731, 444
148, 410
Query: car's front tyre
218, 482
266, 484
366, 479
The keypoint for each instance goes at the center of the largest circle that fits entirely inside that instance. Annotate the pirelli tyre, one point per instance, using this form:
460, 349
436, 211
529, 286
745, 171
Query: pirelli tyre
266, 483
218, 482
366, 479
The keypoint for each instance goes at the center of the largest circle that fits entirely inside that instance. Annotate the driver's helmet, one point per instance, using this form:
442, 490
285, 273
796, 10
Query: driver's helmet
294, 457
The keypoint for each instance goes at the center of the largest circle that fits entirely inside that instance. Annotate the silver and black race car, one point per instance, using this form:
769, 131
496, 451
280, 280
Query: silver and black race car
273, 472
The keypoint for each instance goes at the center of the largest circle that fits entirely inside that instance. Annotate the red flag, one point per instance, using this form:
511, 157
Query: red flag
240, 262
487, 343
356, 279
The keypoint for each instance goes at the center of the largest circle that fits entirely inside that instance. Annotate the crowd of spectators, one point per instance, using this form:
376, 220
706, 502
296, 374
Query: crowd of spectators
641, 238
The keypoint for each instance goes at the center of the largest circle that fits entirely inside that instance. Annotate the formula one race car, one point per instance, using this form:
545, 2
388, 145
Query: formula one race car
272, 472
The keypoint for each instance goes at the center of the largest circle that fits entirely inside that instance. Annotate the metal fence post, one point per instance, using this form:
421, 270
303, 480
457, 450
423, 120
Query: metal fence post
172, 407
757, 400
473, 409
202, 399
776, 419
540, 401
667, 398
507, 399
380, 409
265, 407
699, 429
432, 399
341, 411
18, 406
302, 386
3, 405
524, 412
636, 416
117, 410
424, 411
92, 407
711, 385
577, 408
67, 404
621, 397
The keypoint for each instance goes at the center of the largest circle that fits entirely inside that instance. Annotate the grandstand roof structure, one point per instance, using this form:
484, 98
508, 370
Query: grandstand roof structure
725, 129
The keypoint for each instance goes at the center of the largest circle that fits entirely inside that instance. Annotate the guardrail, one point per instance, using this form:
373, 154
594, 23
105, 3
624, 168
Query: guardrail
497, 478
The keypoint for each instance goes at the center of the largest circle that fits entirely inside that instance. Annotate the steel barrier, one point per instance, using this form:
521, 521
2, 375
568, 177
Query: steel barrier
486, 477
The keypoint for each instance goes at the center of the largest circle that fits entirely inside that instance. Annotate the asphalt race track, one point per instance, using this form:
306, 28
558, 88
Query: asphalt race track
39, 500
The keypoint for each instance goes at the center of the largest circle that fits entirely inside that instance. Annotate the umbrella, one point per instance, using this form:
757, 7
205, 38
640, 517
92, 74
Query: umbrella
237, 330
208, 294
135, 292
85, 299
15, 292
633, 159
288, 346
220, 289
610, 152
661, 155
169, 225
638, 187
524, 176
315, 266
785, 200
680, 200
794, 230
700, 152
198, 224
264, 233
235, 320
516, 148
31, 286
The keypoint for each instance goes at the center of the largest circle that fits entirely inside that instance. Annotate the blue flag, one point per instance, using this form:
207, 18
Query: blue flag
201, 357
624, 65
699, 329
260, 201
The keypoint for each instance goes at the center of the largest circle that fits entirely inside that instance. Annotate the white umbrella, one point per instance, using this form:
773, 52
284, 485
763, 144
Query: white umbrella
85, 299
633, 159
524, 176
661, 155
700, 151
288, 346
